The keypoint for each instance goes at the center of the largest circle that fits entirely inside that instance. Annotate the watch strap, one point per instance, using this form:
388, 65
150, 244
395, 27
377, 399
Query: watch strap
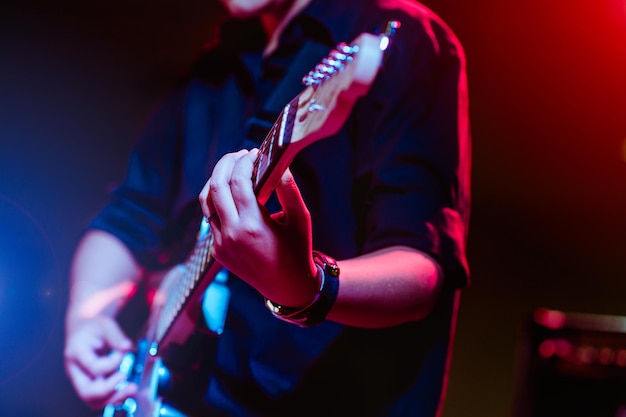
316, 312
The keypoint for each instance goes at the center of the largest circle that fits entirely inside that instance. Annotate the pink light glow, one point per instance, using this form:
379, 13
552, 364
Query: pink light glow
99, 301
549, 318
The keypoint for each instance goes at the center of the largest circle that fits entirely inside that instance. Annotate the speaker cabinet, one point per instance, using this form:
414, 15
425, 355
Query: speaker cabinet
571, 365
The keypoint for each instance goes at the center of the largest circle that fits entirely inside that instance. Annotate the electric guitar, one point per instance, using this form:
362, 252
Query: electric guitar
180, 305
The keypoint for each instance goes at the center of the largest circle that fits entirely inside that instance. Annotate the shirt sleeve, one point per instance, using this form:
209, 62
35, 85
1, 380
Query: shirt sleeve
413, 170
140, 206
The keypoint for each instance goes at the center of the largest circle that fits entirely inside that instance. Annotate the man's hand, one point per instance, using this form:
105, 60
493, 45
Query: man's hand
93, 351
273, 253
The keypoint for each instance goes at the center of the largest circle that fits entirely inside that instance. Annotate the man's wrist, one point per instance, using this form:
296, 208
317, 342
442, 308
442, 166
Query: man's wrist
316, 312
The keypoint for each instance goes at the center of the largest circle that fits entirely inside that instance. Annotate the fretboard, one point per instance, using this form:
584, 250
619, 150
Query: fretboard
272, 151
181, 281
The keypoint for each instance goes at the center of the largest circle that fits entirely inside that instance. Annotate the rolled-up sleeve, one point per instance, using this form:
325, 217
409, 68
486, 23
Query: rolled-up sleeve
413, 170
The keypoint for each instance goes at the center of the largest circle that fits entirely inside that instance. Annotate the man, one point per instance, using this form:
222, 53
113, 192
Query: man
387, 197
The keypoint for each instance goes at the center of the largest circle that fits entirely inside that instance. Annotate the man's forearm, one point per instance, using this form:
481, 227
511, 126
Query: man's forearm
387, 287
104, 276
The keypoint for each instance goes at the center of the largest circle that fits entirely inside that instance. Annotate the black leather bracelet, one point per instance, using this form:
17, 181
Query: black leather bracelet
316, 312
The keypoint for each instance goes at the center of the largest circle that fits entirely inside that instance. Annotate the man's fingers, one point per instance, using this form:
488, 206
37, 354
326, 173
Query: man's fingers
115, 337
95, 365
99, 391
98, 349
294, 209
203, 197
219, 192
241, 186
123, 390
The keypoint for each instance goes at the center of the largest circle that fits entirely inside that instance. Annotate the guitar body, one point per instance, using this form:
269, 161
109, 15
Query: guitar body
188, 309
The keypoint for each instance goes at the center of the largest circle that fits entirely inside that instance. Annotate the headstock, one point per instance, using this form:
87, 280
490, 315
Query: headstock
333, 88
319, 111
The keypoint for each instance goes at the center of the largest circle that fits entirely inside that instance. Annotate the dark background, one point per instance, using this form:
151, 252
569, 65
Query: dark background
548, 106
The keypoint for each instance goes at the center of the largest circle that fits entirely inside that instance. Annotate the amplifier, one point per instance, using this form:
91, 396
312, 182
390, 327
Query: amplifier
571, 365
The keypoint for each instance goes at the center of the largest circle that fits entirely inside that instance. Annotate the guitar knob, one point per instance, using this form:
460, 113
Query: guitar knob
164, 378
166, 410
127, 409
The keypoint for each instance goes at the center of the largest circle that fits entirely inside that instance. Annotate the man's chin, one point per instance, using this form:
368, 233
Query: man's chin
242, 9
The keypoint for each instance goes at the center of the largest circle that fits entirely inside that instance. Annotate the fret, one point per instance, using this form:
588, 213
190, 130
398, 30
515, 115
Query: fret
273, 146
184, 279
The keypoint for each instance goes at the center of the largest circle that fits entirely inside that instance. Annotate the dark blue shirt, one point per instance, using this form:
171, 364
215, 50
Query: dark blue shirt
397, 173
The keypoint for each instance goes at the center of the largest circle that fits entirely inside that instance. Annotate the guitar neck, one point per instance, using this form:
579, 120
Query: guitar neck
187, 280
179, 287
316, 113
275, 153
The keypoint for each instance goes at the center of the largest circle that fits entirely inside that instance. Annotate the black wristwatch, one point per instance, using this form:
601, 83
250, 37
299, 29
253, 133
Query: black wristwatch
316, 312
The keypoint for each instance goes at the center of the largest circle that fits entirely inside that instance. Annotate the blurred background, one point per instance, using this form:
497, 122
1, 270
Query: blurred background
548, 106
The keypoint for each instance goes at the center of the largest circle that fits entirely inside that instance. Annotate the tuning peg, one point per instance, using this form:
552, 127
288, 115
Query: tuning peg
387, 35
313, 78
333, 63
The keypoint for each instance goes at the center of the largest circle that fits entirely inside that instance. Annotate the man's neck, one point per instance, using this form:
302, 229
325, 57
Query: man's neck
275, 20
